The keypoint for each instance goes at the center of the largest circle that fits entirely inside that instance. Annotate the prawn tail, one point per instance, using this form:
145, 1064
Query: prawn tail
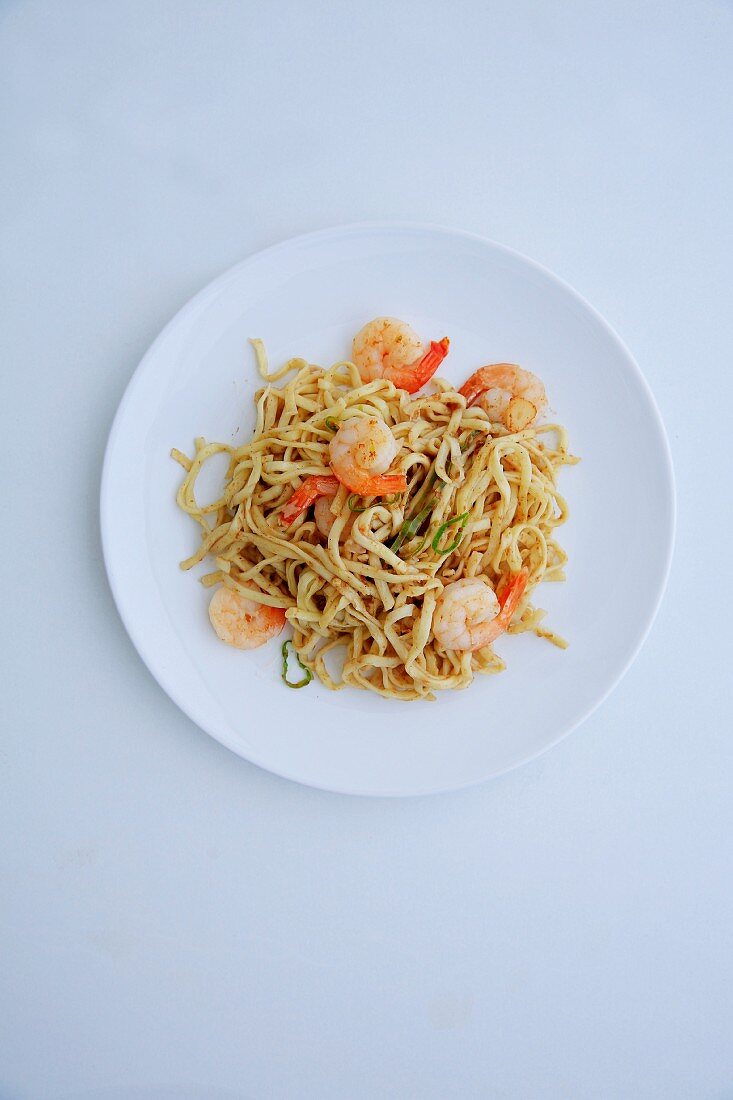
387, 483
511, 595
508, 598
320, 485
274, 617
376, 485
415, 376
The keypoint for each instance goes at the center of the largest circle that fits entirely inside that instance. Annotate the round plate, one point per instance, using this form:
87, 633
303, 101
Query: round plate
307, 297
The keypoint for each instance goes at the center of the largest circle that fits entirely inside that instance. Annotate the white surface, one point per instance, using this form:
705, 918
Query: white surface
307, 297
178, 924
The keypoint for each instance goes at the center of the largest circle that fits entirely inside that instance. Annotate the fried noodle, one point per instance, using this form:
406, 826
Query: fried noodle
351, 595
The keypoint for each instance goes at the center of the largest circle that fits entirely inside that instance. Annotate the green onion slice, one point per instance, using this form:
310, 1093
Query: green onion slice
411, 527
355, 496
424, 491
308, 674
420, 547
331, 424
461, 520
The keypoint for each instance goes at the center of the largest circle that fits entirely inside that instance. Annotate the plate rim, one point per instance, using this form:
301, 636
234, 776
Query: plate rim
210, 289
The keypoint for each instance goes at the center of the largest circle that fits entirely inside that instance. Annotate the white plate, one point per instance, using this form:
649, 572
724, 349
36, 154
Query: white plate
307, 297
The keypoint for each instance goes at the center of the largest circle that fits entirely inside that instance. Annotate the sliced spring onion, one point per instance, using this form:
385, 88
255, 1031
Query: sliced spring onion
355, 496
331, 424
423, 492
461, 520
412, 524
308, 674
431, 479
411, 527
420, 547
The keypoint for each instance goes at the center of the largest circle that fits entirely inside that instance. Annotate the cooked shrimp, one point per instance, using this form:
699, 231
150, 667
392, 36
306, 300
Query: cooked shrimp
313, 488
360, 452
325, 518
323, 515
469, 615
510, 395
388, 348
243, 623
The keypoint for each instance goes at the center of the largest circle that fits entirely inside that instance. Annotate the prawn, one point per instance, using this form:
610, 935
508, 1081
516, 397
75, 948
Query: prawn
242, 623
389, 348
510, 395
361, 451
469, 615
313, 488
319, 491
325, 518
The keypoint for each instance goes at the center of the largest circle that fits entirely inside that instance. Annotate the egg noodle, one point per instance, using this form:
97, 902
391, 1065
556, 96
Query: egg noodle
480, 500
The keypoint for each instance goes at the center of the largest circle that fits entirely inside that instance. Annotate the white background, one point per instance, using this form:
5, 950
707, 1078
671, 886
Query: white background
178, 924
